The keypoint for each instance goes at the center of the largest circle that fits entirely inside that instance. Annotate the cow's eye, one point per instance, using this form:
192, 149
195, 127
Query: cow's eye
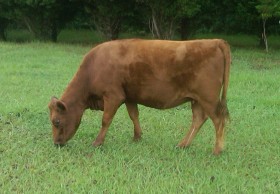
56, 122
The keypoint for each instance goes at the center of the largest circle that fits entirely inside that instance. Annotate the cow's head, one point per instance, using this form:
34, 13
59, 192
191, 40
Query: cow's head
65, 121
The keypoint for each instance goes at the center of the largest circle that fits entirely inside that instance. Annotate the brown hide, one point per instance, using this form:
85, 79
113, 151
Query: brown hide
155, 73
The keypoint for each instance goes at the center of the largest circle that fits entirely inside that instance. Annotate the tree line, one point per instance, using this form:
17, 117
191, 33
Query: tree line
162, 18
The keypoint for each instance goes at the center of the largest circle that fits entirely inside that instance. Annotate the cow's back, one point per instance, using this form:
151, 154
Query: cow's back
157, 73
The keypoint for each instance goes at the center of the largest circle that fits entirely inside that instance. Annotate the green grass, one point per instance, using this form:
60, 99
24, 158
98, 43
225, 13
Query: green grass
30, 73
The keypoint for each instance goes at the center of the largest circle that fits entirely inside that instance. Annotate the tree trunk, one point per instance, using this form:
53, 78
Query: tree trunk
155, 28
3, 34
115, 29
184, 28
114, 35
263, 39
54, 32
3, 26
161, 27
28, 24
108, 27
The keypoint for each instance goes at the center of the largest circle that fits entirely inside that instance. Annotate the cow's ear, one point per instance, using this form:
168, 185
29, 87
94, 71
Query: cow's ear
52, 102
55, 102
61, 106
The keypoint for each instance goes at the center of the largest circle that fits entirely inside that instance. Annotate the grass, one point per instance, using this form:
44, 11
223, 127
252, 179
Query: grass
29, 163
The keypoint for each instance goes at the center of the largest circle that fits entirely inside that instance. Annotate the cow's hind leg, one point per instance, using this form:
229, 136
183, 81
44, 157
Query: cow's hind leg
133, 112
219, 118
199, 117
110, 108
219, 123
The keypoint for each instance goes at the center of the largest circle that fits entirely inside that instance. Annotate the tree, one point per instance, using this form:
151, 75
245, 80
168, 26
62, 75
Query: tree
45, 18
188, 9
3, 25
166, 15
227, 16
6, 16
107, 15
267, 9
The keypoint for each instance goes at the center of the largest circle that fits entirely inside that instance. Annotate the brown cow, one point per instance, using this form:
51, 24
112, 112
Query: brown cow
155, 73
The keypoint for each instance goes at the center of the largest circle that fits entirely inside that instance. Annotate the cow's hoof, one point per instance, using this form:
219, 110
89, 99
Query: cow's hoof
183, 145
136, 138
217, 151
97, 143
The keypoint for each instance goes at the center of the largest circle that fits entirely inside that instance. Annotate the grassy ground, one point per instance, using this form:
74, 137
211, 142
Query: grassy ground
31, 73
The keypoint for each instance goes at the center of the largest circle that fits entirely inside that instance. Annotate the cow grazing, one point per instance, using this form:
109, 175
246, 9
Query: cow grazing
155, 73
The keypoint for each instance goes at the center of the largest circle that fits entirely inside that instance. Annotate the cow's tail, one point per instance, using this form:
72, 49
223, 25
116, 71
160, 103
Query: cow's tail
222, 109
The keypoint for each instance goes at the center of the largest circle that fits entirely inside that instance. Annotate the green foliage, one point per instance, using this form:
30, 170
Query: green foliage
107, 15
268, 8
33, 72
44, 18
187, 8
164, 19
229, 16
6, 15
165, 16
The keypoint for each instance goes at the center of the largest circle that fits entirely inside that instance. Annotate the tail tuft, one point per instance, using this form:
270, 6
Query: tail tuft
222, 110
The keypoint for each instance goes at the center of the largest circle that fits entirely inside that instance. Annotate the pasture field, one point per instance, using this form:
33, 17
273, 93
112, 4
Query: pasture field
30, 73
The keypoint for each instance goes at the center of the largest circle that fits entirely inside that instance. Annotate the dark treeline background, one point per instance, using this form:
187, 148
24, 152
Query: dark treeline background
162, 18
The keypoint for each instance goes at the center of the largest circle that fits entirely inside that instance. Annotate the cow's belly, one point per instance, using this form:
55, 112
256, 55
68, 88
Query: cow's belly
156, 94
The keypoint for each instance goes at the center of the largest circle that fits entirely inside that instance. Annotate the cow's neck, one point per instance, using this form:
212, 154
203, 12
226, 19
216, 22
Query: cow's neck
76, 93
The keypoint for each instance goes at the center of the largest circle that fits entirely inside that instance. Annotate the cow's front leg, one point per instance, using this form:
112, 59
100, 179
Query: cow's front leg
110, 108
133, 112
